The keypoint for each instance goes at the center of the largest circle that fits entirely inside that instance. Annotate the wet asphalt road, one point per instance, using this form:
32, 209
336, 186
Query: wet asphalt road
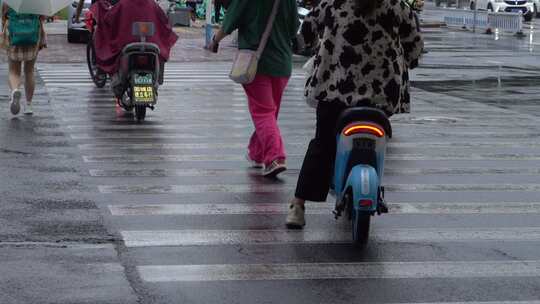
183, 220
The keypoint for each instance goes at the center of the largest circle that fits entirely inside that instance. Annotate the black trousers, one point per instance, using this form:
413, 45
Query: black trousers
317, 170
417, 20
192, 5
217, 10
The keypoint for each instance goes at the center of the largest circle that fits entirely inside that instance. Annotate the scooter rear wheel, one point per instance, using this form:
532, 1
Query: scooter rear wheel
140, 112
99, 79
360, 220
360, 227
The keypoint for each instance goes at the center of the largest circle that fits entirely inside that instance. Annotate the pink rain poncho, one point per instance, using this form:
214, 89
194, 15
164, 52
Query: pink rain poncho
114, 30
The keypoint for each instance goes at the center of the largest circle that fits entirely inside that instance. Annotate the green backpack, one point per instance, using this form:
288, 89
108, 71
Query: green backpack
23, 28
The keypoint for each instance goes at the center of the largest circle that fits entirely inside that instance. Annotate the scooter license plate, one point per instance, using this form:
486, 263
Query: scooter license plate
363, 144
143, 94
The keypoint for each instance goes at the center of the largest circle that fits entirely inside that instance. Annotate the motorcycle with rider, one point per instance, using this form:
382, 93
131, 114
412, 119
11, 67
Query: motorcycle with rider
130, 43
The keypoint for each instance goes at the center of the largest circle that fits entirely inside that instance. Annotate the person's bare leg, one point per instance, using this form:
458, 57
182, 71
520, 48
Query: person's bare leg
29, 80
14, 74
14, 80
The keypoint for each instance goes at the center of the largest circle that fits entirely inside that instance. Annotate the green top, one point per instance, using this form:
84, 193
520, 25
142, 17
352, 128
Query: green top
250, 18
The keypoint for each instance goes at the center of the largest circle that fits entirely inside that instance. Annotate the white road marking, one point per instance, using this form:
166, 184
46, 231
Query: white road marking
230, 145
215, 188
319, 271
172, 146
150, 238
176, 173
272, 188
168, 158
235, 157
292, 171
323, 208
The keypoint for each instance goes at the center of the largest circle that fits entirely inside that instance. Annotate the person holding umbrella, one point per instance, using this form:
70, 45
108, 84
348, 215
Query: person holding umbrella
23, 37
80, 6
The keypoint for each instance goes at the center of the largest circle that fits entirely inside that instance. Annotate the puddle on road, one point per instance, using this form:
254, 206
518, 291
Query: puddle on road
420, 120
506, 85
516, 92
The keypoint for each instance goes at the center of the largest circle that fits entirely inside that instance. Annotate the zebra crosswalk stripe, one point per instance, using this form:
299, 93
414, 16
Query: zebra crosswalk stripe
311, 271
272, 188
312, 236
323, 208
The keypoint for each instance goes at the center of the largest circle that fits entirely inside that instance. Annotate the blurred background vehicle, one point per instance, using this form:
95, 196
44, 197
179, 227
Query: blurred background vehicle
77, 31
526, 7
453, 3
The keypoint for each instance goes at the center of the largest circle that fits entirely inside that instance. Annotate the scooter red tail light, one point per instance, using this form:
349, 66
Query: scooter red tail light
366, 203
144, 28
362, 128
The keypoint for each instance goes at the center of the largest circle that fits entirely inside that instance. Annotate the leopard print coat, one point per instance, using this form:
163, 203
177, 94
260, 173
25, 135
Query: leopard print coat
362, 60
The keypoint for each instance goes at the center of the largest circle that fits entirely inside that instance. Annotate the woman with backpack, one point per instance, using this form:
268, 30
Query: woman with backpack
23, 36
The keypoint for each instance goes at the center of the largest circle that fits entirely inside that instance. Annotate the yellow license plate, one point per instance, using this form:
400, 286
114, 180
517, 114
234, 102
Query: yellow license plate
144, 94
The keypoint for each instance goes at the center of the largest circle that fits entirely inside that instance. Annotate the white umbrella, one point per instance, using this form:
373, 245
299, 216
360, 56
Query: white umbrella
38, 7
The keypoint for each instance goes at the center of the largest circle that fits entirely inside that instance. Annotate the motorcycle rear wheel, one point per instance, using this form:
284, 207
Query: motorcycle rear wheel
99, 79
140, 112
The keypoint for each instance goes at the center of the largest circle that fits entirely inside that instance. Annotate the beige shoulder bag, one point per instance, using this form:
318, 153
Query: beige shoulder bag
245, 64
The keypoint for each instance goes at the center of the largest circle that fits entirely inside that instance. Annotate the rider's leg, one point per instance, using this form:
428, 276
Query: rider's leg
317, 169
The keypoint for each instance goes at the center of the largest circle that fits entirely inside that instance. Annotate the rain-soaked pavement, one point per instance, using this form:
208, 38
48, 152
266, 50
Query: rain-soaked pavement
170, 213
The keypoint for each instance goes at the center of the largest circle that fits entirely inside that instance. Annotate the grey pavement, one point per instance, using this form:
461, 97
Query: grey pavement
189, 222
54, 246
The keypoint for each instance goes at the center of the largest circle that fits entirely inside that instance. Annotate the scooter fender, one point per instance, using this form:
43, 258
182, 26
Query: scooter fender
363, 180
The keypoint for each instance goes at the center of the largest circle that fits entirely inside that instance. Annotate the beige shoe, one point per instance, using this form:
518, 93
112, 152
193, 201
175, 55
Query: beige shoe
295, 217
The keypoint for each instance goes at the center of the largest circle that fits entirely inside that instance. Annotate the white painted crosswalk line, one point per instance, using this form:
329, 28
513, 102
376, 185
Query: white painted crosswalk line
334, 271
118, 158
272, 188
242, 172
323, 208
312, 236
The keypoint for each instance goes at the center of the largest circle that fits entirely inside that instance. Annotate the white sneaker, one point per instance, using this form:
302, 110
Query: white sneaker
274, 168
28, 109
295, 217
15, 103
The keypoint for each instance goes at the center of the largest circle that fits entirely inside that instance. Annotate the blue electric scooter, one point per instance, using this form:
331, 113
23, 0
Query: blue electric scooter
362, 134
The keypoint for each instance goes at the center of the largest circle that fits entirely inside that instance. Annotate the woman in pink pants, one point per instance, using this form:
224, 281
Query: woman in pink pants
264, 94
